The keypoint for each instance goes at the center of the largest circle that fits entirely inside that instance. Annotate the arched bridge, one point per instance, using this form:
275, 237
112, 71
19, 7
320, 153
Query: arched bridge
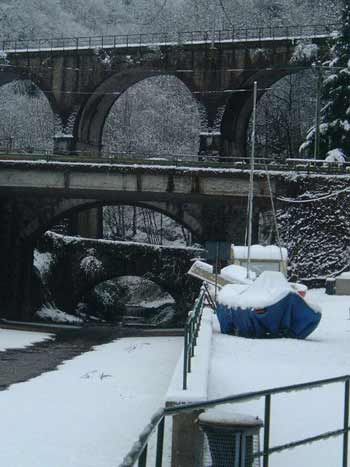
81, 264
83, 77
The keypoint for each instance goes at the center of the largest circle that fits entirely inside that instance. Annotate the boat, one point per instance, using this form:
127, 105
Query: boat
268, 308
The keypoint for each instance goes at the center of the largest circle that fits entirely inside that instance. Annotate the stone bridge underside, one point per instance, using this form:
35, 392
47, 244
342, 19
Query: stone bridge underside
83, 84
35, 195
81, 264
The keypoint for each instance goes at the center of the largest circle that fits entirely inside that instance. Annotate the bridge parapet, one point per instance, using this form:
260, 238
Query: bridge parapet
290, 32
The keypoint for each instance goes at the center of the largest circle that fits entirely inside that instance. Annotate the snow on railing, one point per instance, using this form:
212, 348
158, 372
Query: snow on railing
170, 38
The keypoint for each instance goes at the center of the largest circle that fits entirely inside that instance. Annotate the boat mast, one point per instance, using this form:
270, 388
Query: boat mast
251, 180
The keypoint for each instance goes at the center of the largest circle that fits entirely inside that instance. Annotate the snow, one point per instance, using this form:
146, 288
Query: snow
50, 312
335, 155
241, 365
287, 173
224, 416
236, 273
12, 339
90, 411
43, 262
260, 252
344, 275
304, 52
91, 265
269, 288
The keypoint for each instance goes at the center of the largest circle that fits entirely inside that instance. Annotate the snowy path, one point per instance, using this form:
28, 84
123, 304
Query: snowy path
241, 365
10, 339
90, 411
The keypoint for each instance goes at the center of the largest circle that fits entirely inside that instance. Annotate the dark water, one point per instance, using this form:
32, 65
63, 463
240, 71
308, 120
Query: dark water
19, 365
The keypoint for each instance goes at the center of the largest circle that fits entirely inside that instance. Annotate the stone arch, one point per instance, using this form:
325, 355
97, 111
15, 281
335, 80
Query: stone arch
51, 213
10, 73
235, 121
114, 304
163, 286
73, 276
91, 119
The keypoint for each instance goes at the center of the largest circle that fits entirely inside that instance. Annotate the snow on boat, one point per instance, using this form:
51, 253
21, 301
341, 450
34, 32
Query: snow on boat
269, 307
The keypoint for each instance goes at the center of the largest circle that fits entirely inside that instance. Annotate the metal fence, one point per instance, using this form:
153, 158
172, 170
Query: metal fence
308, 166
139, 452
170, 38
192, 327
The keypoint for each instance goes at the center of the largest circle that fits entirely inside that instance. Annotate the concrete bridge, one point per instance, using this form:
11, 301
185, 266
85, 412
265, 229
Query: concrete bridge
35, 195
83, 77
81, 264
210, 202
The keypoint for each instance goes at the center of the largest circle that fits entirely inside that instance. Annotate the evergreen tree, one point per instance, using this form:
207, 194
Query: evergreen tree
335, 115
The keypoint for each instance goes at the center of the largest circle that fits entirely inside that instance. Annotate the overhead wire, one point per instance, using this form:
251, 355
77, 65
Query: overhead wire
222, 6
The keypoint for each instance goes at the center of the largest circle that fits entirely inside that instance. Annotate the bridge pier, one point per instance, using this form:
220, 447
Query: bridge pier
16, 270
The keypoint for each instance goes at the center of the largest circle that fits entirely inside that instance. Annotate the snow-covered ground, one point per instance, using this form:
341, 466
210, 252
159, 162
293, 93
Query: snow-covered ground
90, 411
10, 339
240, 365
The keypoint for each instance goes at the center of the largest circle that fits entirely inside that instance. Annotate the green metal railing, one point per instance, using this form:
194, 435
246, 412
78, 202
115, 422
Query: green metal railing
139, 452
192, 327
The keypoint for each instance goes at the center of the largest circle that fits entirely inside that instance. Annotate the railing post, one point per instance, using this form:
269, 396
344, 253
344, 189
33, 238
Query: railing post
160, 443
184, 384
346, 424
267, 430
189, 351
143, 458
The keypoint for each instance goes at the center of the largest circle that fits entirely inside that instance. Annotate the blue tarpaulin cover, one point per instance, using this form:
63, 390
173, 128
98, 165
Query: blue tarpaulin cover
289, 317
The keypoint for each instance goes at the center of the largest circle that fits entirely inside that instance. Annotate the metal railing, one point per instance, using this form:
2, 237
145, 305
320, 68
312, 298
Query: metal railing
308, 166
139, 452
192, 327
170, 38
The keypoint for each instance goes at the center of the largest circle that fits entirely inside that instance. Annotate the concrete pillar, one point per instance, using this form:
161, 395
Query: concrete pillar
16, 268
90, 223
187, 440
63, 144
210, 143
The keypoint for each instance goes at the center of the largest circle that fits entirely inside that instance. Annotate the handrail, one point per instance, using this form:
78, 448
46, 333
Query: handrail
254, 395
139, 451
170, 38
192, 327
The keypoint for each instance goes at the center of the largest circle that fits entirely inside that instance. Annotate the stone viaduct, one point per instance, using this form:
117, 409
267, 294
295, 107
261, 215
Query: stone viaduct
83, 77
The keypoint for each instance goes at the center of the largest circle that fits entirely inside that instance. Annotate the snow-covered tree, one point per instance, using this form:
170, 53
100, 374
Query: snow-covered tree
317, 234
334, 126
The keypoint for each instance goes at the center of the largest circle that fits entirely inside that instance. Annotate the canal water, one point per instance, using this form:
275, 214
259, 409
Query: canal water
20, 365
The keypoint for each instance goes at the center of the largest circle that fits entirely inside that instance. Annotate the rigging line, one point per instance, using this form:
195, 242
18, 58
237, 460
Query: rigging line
221, 3
320, 198
273, 207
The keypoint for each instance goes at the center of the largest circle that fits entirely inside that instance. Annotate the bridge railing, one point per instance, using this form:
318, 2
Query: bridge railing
139, 451
179, 160
192, 327
169, 38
